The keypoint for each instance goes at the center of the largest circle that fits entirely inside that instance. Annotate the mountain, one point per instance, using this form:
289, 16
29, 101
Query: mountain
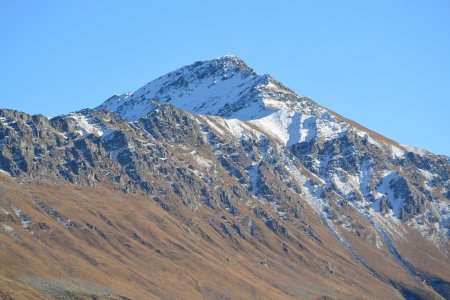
215, 182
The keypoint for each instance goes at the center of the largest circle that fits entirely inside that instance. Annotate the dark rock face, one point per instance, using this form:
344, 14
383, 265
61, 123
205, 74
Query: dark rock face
385, 206
349, 153
138, 155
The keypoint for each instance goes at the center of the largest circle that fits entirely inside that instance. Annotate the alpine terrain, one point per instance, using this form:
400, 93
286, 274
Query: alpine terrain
214, 182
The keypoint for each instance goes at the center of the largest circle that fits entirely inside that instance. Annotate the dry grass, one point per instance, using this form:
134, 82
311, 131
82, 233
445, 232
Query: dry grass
125, 245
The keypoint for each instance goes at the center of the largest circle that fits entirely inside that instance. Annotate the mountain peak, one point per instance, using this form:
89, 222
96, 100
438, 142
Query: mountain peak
231, 58
223, 65
225, 86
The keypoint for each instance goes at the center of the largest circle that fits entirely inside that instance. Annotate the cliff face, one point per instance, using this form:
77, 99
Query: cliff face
222, 183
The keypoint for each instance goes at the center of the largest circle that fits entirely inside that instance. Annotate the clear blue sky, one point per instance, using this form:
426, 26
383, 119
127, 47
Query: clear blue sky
385, 64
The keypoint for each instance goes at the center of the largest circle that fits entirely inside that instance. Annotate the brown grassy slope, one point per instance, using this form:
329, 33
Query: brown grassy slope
120, 245
363, 240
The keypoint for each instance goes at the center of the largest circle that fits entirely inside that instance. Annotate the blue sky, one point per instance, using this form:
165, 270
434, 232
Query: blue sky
384, 64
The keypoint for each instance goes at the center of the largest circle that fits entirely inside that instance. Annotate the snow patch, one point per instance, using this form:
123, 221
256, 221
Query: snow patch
385, 187
24, 219
203, 161
5, 173
85, 125
7, 228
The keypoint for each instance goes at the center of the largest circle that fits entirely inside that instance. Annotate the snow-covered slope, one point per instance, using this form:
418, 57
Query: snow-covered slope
227, 87
223, 86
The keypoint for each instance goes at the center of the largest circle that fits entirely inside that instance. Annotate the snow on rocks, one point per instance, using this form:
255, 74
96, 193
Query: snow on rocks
5, 173
86, 125
24, 219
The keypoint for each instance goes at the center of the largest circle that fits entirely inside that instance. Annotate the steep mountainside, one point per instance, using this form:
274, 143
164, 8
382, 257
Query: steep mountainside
355, 162
213, 169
